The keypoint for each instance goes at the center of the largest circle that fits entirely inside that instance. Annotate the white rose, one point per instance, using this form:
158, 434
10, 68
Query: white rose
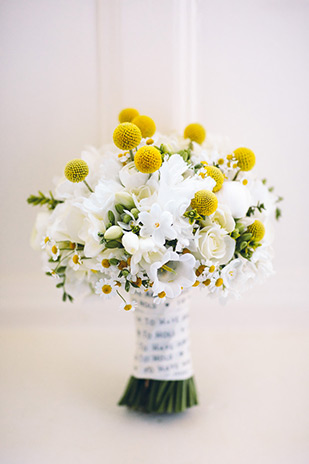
130, 177
223, 217
215, 245
236, 196
130, 242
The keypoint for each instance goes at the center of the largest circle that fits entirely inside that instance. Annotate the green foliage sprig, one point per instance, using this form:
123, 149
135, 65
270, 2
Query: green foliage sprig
42, 199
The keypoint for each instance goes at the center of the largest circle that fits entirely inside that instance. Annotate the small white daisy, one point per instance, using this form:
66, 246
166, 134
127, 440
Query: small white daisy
130, 306
53, 249
75, 261
160, 298
44, 242
106, 287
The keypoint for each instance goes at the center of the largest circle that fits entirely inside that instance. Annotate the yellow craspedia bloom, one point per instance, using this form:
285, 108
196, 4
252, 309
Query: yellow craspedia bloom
76, 170
257, 230
127, 136
205, 202
217, 175
195, 132
147, 159
127, 115
245, 158
146, 125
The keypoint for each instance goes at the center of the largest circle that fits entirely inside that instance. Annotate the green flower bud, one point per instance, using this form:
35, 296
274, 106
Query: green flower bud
126, 218
111, 217
125, 199
119, 208
114, 261
135, 212
113, 233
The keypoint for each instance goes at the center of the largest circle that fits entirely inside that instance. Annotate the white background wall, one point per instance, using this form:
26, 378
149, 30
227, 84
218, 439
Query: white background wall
67, 68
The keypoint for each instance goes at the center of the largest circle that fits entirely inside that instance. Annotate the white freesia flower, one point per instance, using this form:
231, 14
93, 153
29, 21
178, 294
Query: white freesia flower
215, 245
236, 197
130, 242
130, 177
158, 224
172, 273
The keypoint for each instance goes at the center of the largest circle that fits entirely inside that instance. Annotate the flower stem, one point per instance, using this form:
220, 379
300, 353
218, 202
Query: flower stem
235, 177
88, 186
132, 155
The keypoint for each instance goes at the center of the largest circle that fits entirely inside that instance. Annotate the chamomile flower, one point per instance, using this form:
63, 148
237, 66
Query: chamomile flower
75, 261
45, 241
160, 298
106, 288
53, 249
128, 306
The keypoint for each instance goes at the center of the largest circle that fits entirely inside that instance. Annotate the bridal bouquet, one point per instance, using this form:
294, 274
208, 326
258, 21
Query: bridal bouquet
155, 215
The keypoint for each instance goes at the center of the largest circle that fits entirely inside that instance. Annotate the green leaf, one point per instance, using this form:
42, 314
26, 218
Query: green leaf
111, 217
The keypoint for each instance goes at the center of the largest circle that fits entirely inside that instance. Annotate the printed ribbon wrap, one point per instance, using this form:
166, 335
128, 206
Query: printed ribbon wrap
163, 343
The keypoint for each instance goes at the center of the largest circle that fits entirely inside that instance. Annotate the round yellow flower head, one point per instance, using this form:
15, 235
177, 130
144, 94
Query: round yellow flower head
257, 230
245, 158
127, 115
127, 136
76, 170
205, 202
217, 175
147, 159
146, 125
195, 132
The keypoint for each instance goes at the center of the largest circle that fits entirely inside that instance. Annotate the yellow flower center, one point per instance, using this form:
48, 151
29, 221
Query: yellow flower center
146, 125
220, 161
72, 245
106, 289
206, 282
229, 157
127, 136
54, 249
157, 224
148, 159
127, 307
212, 268
162, 295
75, 259
94, 271
105, 263
205, 202
122, 265
195, 132
46, 239
245, 181
219, 282
196, 283
245, 158
127, 115
76, 170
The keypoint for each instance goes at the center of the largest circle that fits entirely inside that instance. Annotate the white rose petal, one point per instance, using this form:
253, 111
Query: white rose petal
236, 196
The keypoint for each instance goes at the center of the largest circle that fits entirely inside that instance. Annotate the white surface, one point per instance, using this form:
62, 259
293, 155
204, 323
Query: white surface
59, 389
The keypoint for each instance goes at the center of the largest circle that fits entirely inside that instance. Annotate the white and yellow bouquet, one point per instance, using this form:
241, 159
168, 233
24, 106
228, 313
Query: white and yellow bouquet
156, 214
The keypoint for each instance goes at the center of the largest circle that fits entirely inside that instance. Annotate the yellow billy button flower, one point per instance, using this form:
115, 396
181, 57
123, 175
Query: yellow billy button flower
257, 230
245, 158
147, 159
205, 202
146, 125
127, 115
76, 170
195, 132
217, 175
127, 136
